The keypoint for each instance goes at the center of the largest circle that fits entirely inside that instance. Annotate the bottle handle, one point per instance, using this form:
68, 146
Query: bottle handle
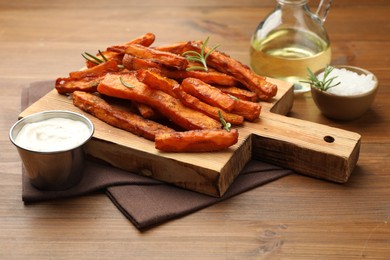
322, 10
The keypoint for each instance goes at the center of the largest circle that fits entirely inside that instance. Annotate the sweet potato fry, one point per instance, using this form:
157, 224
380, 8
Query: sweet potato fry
196, 140
249, 110
146, 111
69, 85
193, 102
224, 63
109, 55
117, 52
133, 63
177, 48
99, 70
210, 77
208, 94
118, 118
166, 58
157, 81
172, 108
239, 93
144, 40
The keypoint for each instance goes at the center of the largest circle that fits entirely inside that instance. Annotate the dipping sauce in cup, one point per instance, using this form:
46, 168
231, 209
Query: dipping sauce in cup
50, 146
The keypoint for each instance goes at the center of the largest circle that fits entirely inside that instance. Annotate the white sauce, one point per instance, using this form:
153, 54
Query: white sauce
54, 134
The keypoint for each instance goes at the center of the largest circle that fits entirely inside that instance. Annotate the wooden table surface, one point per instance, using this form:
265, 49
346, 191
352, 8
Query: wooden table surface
296, 217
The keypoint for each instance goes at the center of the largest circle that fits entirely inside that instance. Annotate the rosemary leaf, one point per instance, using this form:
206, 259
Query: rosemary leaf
102, 55
233, 97
93, 57
227, 126
199, 57
89, 59
323, 84
124, 83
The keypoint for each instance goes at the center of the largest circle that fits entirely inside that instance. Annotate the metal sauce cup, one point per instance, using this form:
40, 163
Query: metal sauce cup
53, 170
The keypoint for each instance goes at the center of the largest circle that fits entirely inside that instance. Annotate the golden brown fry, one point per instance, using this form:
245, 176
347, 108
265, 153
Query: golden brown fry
133, 63
166, 58
224, 63
145, 40
177, 48
109, 55
69, 85
239, 93
146, 111
208, 94
117, 52
157, 81
249, 110
118, 118
192, 102
196, 141
168, 106
210, 77
99, 70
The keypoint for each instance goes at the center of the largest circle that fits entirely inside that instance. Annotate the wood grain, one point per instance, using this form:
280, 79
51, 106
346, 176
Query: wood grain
296, 217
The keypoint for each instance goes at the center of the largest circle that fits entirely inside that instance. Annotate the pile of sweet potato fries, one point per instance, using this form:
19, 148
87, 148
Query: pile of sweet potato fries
162, 94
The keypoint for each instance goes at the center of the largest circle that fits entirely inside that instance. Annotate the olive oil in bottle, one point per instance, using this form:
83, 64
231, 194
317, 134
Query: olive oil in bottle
286, 53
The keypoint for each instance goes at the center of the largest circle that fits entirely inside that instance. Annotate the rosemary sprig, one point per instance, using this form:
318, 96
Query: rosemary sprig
94, 59
323, 84
227, 126
102, 55
233, 97
124, 83
199, 57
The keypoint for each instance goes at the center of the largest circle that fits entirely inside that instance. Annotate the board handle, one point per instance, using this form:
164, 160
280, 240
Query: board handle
308, 148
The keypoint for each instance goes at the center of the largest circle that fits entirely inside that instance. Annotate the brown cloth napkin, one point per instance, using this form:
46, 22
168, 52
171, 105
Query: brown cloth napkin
144, 201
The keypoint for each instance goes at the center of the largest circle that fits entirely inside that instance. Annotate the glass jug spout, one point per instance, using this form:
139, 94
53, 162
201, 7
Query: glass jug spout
323, 9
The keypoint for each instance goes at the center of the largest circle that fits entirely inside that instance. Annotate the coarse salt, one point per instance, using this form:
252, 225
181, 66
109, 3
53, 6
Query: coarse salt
351, 83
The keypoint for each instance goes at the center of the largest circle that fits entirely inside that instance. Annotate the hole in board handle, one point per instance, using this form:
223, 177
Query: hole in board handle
328, 139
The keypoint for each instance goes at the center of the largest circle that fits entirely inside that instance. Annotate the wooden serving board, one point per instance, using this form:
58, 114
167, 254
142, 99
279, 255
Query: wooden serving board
305, 147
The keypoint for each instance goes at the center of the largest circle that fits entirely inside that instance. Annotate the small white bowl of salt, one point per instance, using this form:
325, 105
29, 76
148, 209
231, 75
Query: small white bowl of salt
347, 92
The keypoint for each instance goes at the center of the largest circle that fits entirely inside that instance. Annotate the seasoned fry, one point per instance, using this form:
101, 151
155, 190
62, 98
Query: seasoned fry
166, 58
96, 71
208, 94
157, 81
224, 63
117, 52
215, 97
196, 140
118, 118
177, 48
210, 77
69, 85
144, 40
133, 63
192, 102
239, 93
109, 55
170, 107
146, 111
249, 110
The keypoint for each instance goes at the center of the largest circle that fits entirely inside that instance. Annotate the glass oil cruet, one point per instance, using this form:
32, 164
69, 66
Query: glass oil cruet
290, 40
